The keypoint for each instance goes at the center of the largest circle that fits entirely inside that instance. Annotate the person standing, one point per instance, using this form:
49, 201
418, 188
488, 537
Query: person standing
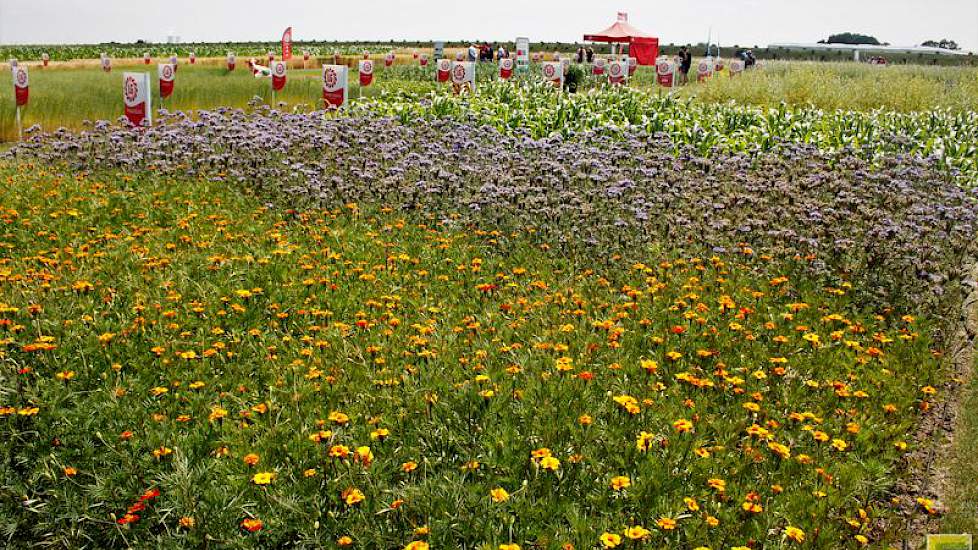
473, 52
589, 53
685, 62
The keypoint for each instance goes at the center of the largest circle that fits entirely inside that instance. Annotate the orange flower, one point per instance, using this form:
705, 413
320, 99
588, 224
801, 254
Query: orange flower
352, 496
252, 525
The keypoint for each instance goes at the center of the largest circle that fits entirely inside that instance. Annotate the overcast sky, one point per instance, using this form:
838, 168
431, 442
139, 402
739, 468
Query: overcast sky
743, 22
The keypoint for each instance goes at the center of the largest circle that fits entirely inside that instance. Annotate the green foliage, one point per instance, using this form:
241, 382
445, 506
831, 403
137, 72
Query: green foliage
852, 38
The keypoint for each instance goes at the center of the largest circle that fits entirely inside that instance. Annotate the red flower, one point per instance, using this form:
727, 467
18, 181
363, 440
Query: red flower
150, 494
127, 519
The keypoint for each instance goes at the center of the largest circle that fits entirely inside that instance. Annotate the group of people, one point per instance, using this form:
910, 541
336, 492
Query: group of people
486, 52
747, 56
585, 55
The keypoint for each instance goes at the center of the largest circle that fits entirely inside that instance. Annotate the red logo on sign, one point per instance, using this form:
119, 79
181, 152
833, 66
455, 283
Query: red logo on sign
280, 69
330, 79
616, 70
549, 71
459, 73
21, 78
131, 89
167, 72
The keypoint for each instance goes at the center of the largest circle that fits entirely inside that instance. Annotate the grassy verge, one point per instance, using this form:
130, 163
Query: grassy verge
962, 497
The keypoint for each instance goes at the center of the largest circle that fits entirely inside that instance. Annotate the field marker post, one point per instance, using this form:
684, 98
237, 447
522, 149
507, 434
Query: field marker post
20, 129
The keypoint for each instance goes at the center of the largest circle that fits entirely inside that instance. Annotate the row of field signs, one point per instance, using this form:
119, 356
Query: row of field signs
137, 97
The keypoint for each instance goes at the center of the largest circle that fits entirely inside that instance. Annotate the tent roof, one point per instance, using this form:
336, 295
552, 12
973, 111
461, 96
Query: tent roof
621, 31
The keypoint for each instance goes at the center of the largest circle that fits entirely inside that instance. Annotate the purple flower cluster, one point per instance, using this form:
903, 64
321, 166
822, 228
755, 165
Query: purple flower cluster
900, 230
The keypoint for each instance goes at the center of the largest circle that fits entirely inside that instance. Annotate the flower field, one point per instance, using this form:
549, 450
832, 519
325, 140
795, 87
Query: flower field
611, 319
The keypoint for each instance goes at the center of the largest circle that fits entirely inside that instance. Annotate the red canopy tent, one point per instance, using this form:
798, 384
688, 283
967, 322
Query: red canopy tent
641, 46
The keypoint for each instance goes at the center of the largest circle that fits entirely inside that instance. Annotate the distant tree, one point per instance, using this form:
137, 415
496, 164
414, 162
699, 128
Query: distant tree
945, 44
852, 38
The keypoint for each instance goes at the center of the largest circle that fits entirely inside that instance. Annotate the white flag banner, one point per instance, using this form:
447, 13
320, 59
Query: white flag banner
553, 72
463, 74
665, 73
334, 85
618, 72
137, 98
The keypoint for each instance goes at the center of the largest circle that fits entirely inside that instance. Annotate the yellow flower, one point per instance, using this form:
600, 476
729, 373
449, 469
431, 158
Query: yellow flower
510, 546
666, 524
717, 485
780, 450
682, 425
338, 417
644, 441
691, 504
649, 366
409, 467
610, 540
344, 541
263, 478
795, 534
499, 494
550, 463
620, 482
251, 459
417, 545
637, 532
352, 496
364, 456
217, 413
